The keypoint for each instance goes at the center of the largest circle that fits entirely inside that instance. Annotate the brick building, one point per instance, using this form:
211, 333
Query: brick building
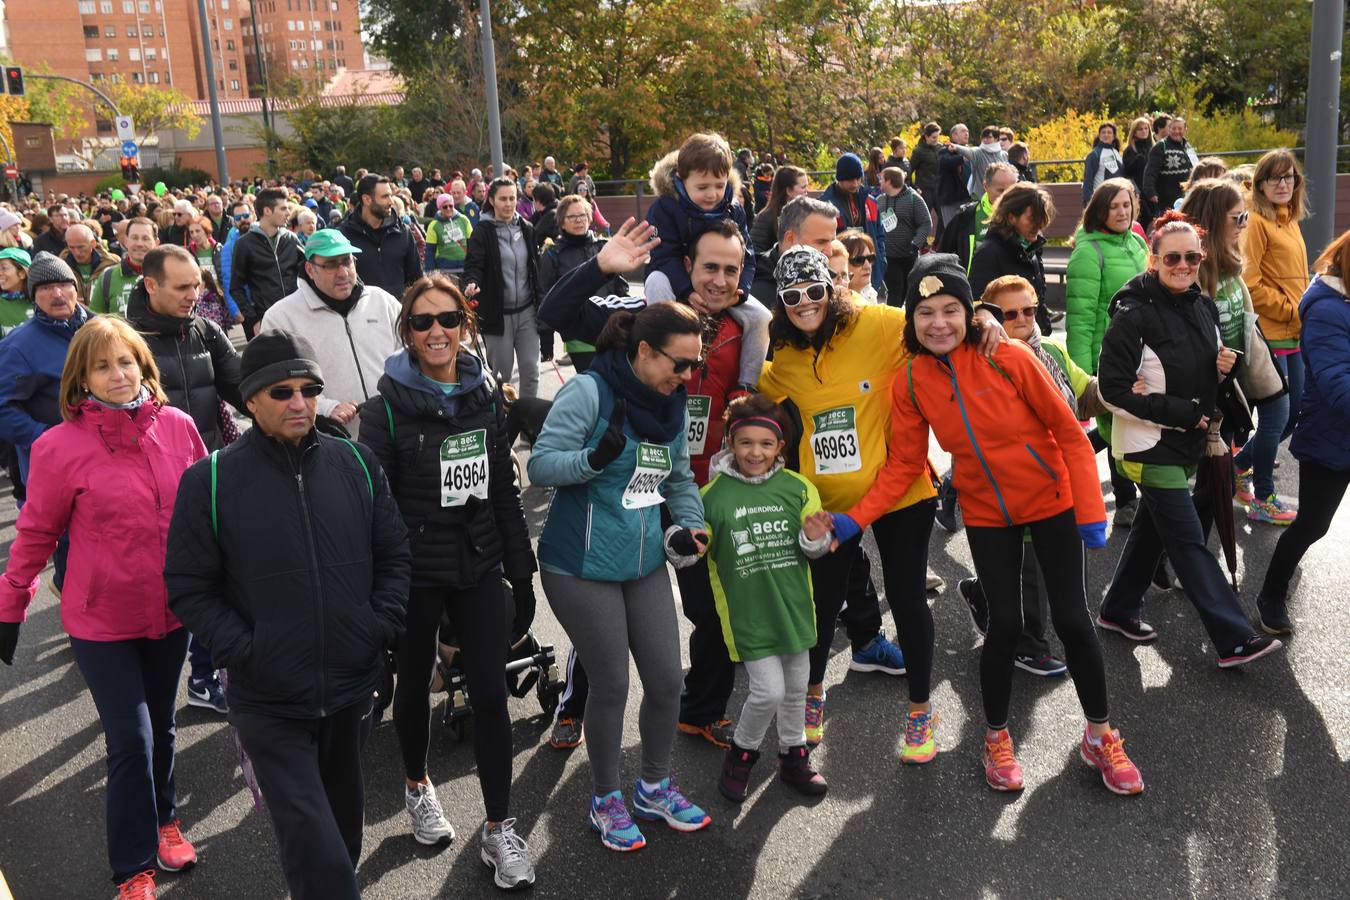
309, 39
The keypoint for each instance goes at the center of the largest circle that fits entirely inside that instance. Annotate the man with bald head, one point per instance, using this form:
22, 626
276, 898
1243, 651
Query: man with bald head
86, 258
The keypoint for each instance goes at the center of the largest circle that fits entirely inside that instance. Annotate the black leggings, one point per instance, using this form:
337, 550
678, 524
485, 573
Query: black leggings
479, 619
1320, 491
902, 543
998, 563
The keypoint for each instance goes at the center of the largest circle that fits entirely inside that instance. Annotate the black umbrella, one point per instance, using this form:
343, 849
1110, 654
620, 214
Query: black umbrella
1219, 458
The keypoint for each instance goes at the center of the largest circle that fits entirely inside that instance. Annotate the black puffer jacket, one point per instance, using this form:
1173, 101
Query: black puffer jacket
298, 578
259, 275
483, 267
569, 251
1003, 254
406, 425
388, 257
198, 366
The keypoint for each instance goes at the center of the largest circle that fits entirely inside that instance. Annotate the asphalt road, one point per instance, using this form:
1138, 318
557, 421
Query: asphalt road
1246, 771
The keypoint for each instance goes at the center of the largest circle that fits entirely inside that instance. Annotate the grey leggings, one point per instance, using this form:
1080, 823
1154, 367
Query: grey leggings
606, 620
777, 685
516, 347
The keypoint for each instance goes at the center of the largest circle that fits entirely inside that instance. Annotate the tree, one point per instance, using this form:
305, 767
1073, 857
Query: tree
154, 109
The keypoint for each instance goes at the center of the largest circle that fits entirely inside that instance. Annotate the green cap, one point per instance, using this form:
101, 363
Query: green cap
17, 254
329, 242
161, 188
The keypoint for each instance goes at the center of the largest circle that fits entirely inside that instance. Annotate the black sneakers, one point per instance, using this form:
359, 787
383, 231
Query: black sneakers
1253, 648
1134, 629
978, 603
1273, 616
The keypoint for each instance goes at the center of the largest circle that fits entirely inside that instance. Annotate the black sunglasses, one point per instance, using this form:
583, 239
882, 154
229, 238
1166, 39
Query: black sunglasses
450, 318
859, 260
681, 365
1026, 312
812, 293
282, 392
1172, 260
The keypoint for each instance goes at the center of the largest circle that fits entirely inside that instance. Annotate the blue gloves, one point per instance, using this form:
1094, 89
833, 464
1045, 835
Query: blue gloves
845, 529
1093, 535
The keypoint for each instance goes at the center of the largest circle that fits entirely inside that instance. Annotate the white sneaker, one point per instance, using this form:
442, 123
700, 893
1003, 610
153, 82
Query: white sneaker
430, 826
508, 856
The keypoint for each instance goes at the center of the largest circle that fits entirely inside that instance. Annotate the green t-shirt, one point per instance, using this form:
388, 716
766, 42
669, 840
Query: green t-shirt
451, 238
1232, 313
760, 578
14, 311
112, 290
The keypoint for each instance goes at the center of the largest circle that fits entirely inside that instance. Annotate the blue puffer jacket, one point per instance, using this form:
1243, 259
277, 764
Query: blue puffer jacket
31, 359
588, 532
1322, 435
678, 221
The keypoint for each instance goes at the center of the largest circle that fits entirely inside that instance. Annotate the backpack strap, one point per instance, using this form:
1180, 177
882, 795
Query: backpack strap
1101, 257
215, 524
370, 484
389, 413
106, 282
913, 398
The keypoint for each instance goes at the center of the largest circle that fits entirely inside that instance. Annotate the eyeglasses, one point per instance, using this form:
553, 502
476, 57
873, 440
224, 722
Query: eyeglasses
1026, 312
340, 262
282, 392
450, 318
239, 217
1172, 260
1287, 178
812, 293
681, 365
1241, 218
861, 260
581, 217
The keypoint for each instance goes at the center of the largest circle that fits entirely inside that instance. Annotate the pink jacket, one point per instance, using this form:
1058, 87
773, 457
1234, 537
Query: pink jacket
110, 478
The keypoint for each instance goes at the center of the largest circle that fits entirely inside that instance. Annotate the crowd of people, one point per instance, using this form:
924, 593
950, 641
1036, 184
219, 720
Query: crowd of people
335, 501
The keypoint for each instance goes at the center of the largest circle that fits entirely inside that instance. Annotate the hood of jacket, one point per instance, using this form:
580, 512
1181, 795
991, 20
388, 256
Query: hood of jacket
421, 395
665, 182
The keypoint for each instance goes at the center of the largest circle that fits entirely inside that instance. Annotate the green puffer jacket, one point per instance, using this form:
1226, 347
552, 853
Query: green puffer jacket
1100, 265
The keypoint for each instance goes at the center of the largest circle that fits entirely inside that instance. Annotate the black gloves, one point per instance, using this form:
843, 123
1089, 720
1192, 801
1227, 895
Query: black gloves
612, 441
9, 640
686, 543
522, 592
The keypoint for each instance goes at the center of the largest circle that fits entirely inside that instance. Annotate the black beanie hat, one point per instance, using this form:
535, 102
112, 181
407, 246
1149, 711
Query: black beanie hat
275, 356
937, 273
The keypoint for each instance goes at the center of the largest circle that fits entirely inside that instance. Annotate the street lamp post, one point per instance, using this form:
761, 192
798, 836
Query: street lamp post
217, 134
1323, 128
490, 90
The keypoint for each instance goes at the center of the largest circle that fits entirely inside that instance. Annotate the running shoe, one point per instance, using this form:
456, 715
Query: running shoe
1271, 510
1274, 616
1134, 629
140, 886
507, 854
207, 693
1124, 514
1108, 757
815, 719
920, 747
933, 581
880, 655
735, 781
1001, 768
1242, 486
1046, 666
430, 826
975, 600
610, 818
667, 804
566, 734
716, 733
946, 511
175, 853
1253, 648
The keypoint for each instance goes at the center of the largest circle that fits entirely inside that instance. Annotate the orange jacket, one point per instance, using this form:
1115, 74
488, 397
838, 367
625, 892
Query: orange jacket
1275, 270
1018, 454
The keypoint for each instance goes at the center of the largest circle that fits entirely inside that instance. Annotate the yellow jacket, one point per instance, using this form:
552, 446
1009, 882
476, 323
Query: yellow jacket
1275, 270
846, 389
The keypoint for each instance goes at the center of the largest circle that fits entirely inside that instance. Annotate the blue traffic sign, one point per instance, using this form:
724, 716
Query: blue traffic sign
129, 148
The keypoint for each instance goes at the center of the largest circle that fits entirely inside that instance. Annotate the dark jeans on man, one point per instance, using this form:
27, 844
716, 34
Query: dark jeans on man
1320, 491
200, 664
897, 278
310, 774
1167, 520
134, 685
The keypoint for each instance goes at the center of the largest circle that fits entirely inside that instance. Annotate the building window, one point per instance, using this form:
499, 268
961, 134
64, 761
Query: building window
105, 7
147, 31
290, 24
131, 31
144, 6
224, 4
110, 31
87, 7
229, 44
128, 6
168, 78
136, 78
151, 53
117, 78
154, 78
93, 55
90, 32
234, 65
229, 24
134, 54
104, 126
95, 76
234, 84
113, 54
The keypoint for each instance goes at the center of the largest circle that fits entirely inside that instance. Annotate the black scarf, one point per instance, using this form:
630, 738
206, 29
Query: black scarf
341, 307
653, 415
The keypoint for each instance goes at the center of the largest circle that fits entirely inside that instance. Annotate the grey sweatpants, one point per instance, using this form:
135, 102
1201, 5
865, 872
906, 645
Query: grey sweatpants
517, 344
606, 620
777, 684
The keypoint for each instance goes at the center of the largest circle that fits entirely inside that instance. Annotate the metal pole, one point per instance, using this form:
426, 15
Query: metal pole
217, 133
262, 81
1323, 129
84, 84
490, 90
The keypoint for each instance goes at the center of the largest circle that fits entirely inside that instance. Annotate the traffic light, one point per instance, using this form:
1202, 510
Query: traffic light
14, 80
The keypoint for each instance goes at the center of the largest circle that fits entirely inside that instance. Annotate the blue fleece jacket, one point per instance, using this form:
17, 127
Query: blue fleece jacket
1322, 435
31, 359
468, 369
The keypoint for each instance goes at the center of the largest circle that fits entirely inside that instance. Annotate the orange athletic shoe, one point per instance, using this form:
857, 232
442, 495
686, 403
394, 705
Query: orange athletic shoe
175, 853
1001, 768
1118, 774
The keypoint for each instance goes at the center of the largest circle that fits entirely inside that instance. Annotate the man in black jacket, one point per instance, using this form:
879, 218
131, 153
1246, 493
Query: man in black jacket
343, 180
1168, 167
388, 253
267, 258
296, 576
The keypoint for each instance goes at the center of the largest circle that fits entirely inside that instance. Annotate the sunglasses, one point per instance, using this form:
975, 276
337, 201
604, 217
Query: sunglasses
282, 392
1241, 218
1026, 312
813, 293
239, 217
1172, 260
681, 365
450, 318
860, 260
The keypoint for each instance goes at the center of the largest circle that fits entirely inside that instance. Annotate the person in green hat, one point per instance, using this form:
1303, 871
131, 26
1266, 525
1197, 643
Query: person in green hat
118, 195
351, 325
16, 307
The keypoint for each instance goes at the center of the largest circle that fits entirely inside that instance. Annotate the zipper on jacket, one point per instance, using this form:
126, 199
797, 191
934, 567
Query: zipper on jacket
182, 370
642, 537
975, 444
1040, 462
314, 566
351, 342
589, 508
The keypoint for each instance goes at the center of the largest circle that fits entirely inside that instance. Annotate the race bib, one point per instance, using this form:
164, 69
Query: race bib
700, 408
653, 468
464, 468
888, 220
835, 442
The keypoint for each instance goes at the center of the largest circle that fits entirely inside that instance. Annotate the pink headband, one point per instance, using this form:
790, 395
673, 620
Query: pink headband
762, 421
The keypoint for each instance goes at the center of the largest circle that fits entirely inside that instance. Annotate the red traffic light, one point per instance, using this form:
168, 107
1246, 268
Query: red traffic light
14, 80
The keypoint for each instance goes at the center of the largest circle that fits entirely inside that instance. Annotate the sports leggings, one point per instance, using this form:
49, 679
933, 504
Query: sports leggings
998, 563
1320, 491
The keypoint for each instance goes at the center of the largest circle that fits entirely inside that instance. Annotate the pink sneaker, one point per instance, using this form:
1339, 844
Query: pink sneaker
175, 853
1272, 510
1118, 774
1242, 482
1001, 768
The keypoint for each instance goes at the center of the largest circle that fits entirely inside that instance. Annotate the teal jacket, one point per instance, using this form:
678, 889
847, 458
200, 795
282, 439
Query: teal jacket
587, 532
1099, 266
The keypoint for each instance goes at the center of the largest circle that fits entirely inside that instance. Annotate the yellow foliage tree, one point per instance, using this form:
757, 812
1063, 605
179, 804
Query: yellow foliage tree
12, 109
1069, 136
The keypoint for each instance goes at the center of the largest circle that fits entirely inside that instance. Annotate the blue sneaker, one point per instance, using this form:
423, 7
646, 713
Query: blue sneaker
879, 656
667, 804
610, 818
207, 694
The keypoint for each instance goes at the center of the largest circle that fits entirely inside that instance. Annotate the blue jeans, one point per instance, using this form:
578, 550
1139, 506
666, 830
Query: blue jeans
1167, 520
1274, 422
134, 685
199, 661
